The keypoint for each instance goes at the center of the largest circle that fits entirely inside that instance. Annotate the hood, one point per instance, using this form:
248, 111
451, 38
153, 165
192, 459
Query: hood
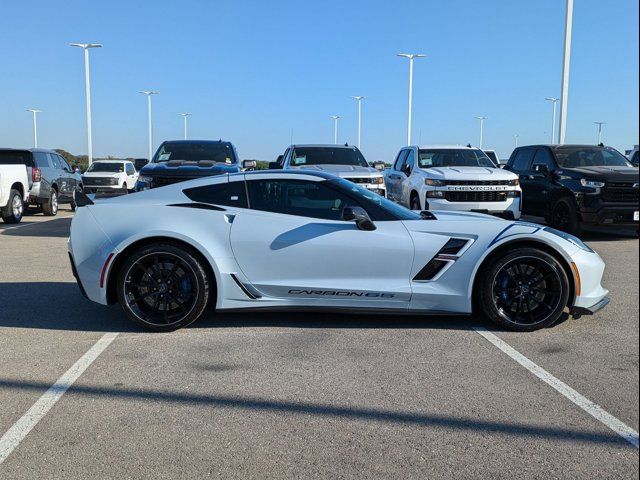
469, 173
345, 170
189, 169
608, 174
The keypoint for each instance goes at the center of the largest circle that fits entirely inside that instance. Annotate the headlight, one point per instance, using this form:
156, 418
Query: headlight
378, 180
435, 194
114, 181
434, 183
591, 183
145, 179
514, 183
513, 194
569, 238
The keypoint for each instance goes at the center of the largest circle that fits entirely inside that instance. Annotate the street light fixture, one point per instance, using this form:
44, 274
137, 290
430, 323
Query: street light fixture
482, 119
87, 85
600, 130
564, 97
554, 101
148, 93
359, 99
411, 57
516, 138
185, 116
35, 125
335, 127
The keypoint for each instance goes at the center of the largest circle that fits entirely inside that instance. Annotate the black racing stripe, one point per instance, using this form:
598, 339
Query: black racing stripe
203, 206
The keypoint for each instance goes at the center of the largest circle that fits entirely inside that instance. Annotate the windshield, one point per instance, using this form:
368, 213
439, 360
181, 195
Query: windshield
106, 167
327, 156
371, 199
453, 158
590, 157
219, 152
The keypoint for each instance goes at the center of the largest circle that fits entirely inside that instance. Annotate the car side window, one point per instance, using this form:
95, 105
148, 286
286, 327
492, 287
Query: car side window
230, 194
400, 160
543, 157
522, 162
129, 168
297, 197
63, 163
42, 160
55, 162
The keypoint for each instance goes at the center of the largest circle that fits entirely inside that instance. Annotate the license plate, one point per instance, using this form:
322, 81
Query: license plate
636, 216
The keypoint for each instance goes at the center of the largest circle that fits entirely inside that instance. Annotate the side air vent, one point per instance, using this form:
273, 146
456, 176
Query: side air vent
453, 246
430, 270
447, 254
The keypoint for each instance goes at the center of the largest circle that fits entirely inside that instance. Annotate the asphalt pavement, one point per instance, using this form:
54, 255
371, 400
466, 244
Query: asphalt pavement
300, 395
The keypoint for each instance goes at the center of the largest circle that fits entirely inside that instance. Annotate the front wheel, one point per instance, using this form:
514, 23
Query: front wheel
14, 210
525, 290
415, 203
565, 217
163, 287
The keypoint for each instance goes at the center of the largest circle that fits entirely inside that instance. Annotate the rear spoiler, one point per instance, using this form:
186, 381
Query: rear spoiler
81, 199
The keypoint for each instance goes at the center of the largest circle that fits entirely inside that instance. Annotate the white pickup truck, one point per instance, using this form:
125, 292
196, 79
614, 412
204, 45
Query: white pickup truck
14, 184
444, 177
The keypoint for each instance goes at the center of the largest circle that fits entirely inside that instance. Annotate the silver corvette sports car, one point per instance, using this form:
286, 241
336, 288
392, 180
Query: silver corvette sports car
302, 240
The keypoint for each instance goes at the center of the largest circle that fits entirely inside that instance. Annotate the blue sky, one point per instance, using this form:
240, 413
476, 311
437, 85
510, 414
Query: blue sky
257, 73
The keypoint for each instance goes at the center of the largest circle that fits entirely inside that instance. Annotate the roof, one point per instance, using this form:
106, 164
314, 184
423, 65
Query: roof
559, 147
197, 141
321, 145
112, 160
445, 147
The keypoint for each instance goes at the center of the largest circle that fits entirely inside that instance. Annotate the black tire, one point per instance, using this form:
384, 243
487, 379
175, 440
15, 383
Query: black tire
146, 283
13, 211
125, 188
50, 207
565, 217
525, 290
415, 202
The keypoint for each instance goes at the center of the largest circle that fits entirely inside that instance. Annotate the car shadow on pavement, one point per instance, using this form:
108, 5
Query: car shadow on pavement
335, 412
58, 227
61, 306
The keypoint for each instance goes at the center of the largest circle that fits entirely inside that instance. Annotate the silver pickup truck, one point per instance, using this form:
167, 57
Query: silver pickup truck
341, 160
14, 184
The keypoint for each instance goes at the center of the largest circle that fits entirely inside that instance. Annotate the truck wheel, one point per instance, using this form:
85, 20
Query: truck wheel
14, 209
564, 217
50, 207
415, 202
525, 290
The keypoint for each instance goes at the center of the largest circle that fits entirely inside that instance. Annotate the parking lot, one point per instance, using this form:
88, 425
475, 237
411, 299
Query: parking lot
298, 395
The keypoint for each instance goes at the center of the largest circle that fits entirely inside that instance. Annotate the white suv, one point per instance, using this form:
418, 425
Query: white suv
453, 178
110, 176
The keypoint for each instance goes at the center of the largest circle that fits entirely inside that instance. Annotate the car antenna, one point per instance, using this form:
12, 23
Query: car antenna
601, 144
468, 145
346, 144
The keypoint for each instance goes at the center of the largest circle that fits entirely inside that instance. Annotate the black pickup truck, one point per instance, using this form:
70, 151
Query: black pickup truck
181, 160
576, 185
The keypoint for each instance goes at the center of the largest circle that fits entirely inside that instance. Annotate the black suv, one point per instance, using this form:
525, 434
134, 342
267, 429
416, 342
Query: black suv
575, 185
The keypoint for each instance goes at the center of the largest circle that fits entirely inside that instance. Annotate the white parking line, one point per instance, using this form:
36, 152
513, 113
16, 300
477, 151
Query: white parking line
38, 410
593, 409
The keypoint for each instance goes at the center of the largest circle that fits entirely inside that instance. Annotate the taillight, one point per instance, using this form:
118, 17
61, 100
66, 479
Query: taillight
36, 174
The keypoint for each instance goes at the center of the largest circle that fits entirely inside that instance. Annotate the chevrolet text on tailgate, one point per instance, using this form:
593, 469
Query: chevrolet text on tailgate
453, 178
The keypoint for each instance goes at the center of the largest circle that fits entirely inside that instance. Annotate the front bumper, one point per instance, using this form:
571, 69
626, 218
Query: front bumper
577, 312
509, 209
595, 212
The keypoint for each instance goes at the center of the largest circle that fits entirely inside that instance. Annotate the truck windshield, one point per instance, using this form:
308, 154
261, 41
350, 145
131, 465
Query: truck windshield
327, 156
106, 167
578, 157
219, 152
463, 157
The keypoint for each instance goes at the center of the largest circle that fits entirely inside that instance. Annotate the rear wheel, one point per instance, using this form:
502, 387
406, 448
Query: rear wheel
50, 207
525, 290
14, 210
163, 287
565, 217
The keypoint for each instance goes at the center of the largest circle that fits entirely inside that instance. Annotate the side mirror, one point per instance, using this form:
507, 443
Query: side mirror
358, 215
541, 169
274, 166
406, 169
249, 164
378, 165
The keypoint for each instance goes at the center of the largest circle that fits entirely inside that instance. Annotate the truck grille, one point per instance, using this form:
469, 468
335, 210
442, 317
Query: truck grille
163, 181
362, 180
491, 196
504, 183
96, 180
620, 193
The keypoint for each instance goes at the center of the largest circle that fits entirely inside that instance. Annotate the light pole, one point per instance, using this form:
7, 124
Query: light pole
359, 99
482, 119
411, 57
516, 137
185, 116
87, 85
600, 130
564, 97
335, 127
554, 101
148, 93
35, 125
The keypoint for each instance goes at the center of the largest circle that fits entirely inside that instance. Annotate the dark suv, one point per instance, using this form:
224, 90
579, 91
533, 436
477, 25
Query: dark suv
181, 160
575, 185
